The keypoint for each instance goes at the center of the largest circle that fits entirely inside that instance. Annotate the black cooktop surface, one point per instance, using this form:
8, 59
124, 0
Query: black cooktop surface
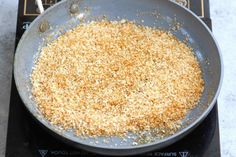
25, 138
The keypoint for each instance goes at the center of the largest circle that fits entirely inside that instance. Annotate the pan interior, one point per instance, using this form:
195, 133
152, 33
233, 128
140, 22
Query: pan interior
155, 13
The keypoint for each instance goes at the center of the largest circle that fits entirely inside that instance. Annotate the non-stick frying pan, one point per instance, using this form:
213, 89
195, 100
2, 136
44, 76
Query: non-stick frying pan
155, 13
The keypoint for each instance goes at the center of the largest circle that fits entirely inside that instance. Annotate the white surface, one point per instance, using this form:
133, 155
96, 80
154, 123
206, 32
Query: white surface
224, 24
8, 11
223, 14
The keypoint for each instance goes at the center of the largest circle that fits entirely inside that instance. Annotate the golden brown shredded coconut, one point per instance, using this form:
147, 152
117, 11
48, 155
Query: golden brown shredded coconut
110, 78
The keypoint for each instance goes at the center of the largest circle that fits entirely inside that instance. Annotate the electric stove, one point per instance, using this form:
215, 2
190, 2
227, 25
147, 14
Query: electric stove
25, 138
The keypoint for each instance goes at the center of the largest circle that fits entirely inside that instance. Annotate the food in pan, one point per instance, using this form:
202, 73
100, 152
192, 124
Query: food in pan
112, 77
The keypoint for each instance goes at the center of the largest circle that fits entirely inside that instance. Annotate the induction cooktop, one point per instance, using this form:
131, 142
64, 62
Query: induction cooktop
25, 138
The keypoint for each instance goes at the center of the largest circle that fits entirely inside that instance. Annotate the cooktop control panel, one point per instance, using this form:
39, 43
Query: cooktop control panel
31, 9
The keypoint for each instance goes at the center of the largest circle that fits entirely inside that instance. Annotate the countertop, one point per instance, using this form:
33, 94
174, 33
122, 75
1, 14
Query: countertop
223, 15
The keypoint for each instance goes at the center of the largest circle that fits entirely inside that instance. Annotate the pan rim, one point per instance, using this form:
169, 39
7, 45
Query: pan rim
176, 136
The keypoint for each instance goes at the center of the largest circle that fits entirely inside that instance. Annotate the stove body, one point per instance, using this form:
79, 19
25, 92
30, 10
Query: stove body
25, 138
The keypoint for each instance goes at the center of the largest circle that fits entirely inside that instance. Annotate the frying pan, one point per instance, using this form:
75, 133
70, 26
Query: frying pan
155, 13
